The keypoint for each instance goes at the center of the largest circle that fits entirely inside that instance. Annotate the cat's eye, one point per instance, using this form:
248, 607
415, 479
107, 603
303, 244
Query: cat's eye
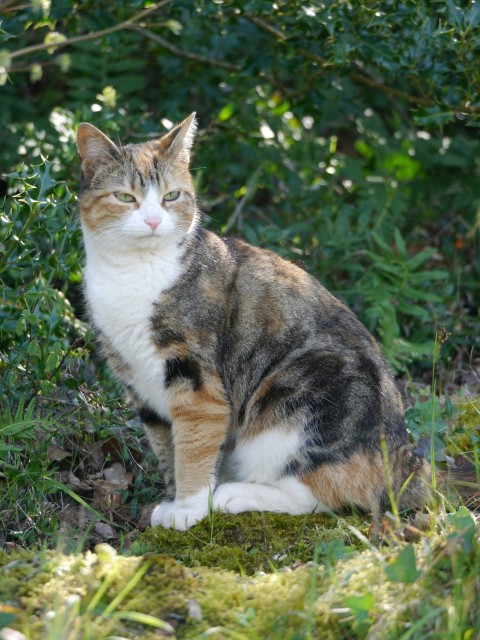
171, 196
123, 197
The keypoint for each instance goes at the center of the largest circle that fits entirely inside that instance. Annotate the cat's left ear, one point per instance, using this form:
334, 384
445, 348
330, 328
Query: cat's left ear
179, 141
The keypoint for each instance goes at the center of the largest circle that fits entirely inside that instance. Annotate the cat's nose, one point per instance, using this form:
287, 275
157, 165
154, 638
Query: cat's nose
152, 222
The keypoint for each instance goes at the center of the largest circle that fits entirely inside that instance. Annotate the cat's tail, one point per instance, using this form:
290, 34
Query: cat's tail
417, 484
372, 483
462, 481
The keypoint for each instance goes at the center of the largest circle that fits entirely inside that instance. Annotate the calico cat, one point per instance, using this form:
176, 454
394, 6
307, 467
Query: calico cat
258, 390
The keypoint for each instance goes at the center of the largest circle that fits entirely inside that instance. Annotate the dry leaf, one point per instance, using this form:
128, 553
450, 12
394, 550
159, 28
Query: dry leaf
94, 458
56, 453
106, 497
77, 484
117, 474
105, 530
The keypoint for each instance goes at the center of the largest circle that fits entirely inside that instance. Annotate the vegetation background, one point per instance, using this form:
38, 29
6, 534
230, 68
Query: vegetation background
343, 135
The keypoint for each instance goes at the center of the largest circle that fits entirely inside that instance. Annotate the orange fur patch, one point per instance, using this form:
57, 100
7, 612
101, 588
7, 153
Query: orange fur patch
200, 422
358, 481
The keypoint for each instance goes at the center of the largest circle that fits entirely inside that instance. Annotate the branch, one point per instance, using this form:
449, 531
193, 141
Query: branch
418, 101
184, 54
90, 36
9, 5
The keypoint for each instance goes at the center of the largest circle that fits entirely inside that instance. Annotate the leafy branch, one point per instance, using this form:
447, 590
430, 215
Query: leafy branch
126, 24
179, 52
361, 78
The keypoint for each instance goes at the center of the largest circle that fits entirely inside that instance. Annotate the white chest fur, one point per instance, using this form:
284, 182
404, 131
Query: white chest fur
121, 290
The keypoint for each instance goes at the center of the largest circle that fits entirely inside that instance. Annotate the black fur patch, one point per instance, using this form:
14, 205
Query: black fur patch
275, 395
166, 337
183, 369
152, 419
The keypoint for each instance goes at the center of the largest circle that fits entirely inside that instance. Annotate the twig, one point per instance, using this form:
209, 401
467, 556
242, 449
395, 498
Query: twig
9, 5
179, 52
126, 24
237, 214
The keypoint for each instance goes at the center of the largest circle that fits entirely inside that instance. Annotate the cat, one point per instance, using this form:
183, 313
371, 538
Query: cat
258, 390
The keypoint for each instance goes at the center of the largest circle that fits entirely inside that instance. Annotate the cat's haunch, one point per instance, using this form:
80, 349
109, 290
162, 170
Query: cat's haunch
258, 390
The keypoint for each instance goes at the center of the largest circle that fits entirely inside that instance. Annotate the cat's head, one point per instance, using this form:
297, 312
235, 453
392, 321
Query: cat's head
139, 194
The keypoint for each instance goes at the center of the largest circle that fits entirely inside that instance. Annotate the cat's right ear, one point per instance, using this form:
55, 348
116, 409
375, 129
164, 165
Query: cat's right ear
93, 146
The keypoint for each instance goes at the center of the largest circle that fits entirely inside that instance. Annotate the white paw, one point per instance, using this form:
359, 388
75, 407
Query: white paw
181, 514
230, 499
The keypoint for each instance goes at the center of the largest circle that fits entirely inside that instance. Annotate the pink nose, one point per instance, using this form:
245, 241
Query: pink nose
153, 222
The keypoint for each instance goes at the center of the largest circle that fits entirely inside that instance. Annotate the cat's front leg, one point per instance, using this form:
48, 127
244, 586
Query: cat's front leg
159, 434
200, 416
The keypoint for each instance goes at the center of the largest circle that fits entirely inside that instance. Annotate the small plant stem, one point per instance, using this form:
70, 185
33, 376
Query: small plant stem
128, 587
312, 594
391, 491
436, 351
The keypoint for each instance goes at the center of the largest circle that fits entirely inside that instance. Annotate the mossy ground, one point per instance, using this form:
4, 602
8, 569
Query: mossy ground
338, 588
253, 542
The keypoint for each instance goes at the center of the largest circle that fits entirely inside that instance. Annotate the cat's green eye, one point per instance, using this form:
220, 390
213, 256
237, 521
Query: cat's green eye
171, 196
123, 197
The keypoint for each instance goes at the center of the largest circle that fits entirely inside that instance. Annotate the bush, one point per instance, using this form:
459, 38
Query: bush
342, 135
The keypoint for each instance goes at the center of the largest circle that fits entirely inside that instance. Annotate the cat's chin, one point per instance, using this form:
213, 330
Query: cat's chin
150, 241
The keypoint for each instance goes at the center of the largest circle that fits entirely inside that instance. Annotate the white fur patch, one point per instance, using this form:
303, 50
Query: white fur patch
287, 495
121, 287
135, 223
182, 514
263, 458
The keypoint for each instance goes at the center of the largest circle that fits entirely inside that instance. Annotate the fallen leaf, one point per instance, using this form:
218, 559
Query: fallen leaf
105, 530
106, 497
117, 474
94, 457
56, 453
77, 484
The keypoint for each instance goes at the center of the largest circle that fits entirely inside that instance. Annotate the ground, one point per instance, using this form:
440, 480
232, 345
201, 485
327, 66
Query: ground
347, 588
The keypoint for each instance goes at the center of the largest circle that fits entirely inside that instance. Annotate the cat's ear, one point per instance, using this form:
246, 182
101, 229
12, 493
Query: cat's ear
179, 140
93, 146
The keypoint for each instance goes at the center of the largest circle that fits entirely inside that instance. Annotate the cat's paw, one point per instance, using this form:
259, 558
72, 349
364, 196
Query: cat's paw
230, 498
181, 514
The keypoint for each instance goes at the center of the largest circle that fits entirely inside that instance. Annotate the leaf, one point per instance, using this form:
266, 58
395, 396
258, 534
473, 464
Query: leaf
399, 241
46, 180
145, 619
174, 26
360, 605
10, 447
403, 568
5, 64
461, 519
53, 38
226, 112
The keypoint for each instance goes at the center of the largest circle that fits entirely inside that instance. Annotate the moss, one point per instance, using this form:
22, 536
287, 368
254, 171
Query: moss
89, 596
465, 429
469, 414
250, 542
